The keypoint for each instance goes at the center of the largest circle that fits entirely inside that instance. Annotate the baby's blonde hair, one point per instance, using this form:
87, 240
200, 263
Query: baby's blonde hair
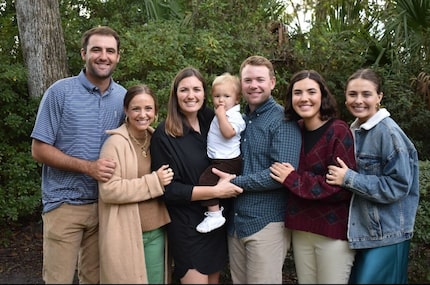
228, 78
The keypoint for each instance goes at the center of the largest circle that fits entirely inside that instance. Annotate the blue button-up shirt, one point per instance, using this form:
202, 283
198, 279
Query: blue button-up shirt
267, 138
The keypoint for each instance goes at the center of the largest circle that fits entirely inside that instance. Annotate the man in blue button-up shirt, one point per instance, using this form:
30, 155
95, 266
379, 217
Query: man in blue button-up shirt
258, 240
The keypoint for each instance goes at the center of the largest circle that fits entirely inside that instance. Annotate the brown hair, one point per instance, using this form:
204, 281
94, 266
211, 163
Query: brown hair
137, 90
175, 119
367, 74
328, 107
258, 61
100, 30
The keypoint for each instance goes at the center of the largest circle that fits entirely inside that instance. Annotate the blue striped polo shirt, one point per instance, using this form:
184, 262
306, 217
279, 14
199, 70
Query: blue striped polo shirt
73, 116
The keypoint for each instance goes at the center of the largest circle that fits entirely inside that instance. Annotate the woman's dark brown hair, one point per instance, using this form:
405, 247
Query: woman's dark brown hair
328, 109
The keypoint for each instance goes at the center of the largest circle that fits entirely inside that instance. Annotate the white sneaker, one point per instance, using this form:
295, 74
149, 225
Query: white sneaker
211, 222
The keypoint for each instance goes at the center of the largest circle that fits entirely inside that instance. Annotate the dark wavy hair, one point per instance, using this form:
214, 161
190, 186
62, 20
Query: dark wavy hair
328, 109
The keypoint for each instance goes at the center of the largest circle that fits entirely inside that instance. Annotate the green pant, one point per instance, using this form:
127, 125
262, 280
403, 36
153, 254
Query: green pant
153, 244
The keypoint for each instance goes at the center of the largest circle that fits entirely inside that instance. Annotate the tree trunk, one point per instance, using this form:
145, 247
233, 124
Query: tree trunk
42, 41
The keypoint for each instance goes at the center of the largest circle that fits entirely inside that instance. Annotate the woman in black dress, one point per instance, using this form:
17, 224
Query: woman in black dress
180, 142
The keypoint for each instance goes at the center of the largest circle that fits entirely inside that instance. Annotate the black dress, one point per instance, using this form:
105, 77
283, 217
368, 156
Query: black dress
186, 155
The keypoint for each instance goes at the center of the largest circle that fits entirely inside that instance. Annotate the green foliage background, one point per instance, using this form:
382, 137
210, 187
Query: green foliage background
158, 38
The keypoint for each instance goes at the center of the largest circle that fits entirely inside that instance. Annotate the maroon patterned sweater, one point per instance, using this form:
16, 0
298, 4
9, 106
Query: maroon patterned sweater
313, 205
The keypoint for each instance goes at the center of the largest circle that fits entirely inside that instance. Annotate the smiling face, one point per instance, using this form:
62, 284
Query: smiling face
101, 57
191, 95
362, 98
257, 84
306, 101
141, 113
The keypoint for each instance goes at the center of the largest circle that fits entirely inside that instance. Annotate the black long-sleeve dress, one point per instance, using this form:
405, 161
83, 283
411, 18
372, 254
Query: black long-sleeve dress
186, 155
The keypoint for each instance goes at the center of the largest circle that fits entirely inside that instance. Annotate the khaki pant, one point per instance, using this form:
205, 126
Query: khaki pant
70, 238
259, 258
320, 259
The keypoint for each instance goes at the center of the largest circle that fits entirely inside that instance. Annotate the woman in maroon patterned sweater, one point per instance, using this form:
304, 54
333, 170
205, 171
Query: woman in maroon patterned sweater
317, 213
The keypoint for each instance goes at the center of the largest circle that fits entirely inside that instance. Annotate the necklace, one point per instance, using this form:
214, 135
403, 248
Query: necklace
143, 146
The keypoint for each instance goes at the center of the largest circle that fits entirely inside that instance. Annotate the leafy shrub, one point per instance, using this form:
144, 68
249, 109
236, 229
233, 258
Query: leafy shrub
420, 244
19, 174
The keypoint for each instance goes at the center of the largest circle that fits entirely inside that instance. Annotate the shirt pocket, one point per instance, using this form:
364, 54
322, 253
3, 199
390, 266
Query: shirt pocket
369, 164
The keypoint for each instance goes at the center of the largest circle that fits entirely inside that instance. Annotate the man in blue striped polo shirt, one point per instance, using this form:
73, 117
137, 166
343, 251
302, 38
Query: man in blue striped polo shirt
69, 131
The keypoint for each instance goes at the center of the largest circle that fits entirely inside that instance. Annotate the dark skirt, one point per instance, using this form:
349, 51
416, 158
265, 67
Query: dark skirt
205, 252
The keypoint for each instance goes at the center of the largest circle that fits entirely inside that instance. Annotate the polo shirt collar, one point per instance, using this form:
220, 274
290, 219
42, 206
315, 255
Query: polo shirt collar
89, 85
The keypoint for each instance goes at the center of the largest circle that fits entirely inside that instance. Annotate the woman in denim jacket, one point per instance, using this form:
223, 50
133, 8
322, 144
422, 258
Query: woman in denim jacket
385, 188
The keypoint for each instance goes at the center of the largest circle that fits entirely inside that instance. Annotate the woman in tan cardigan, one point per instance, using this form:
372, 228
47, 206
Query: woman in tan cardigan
131, 213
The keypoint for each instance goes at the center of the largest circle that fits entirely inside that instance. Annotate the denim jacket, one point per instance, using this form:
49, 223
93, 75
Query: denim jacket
386, 186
